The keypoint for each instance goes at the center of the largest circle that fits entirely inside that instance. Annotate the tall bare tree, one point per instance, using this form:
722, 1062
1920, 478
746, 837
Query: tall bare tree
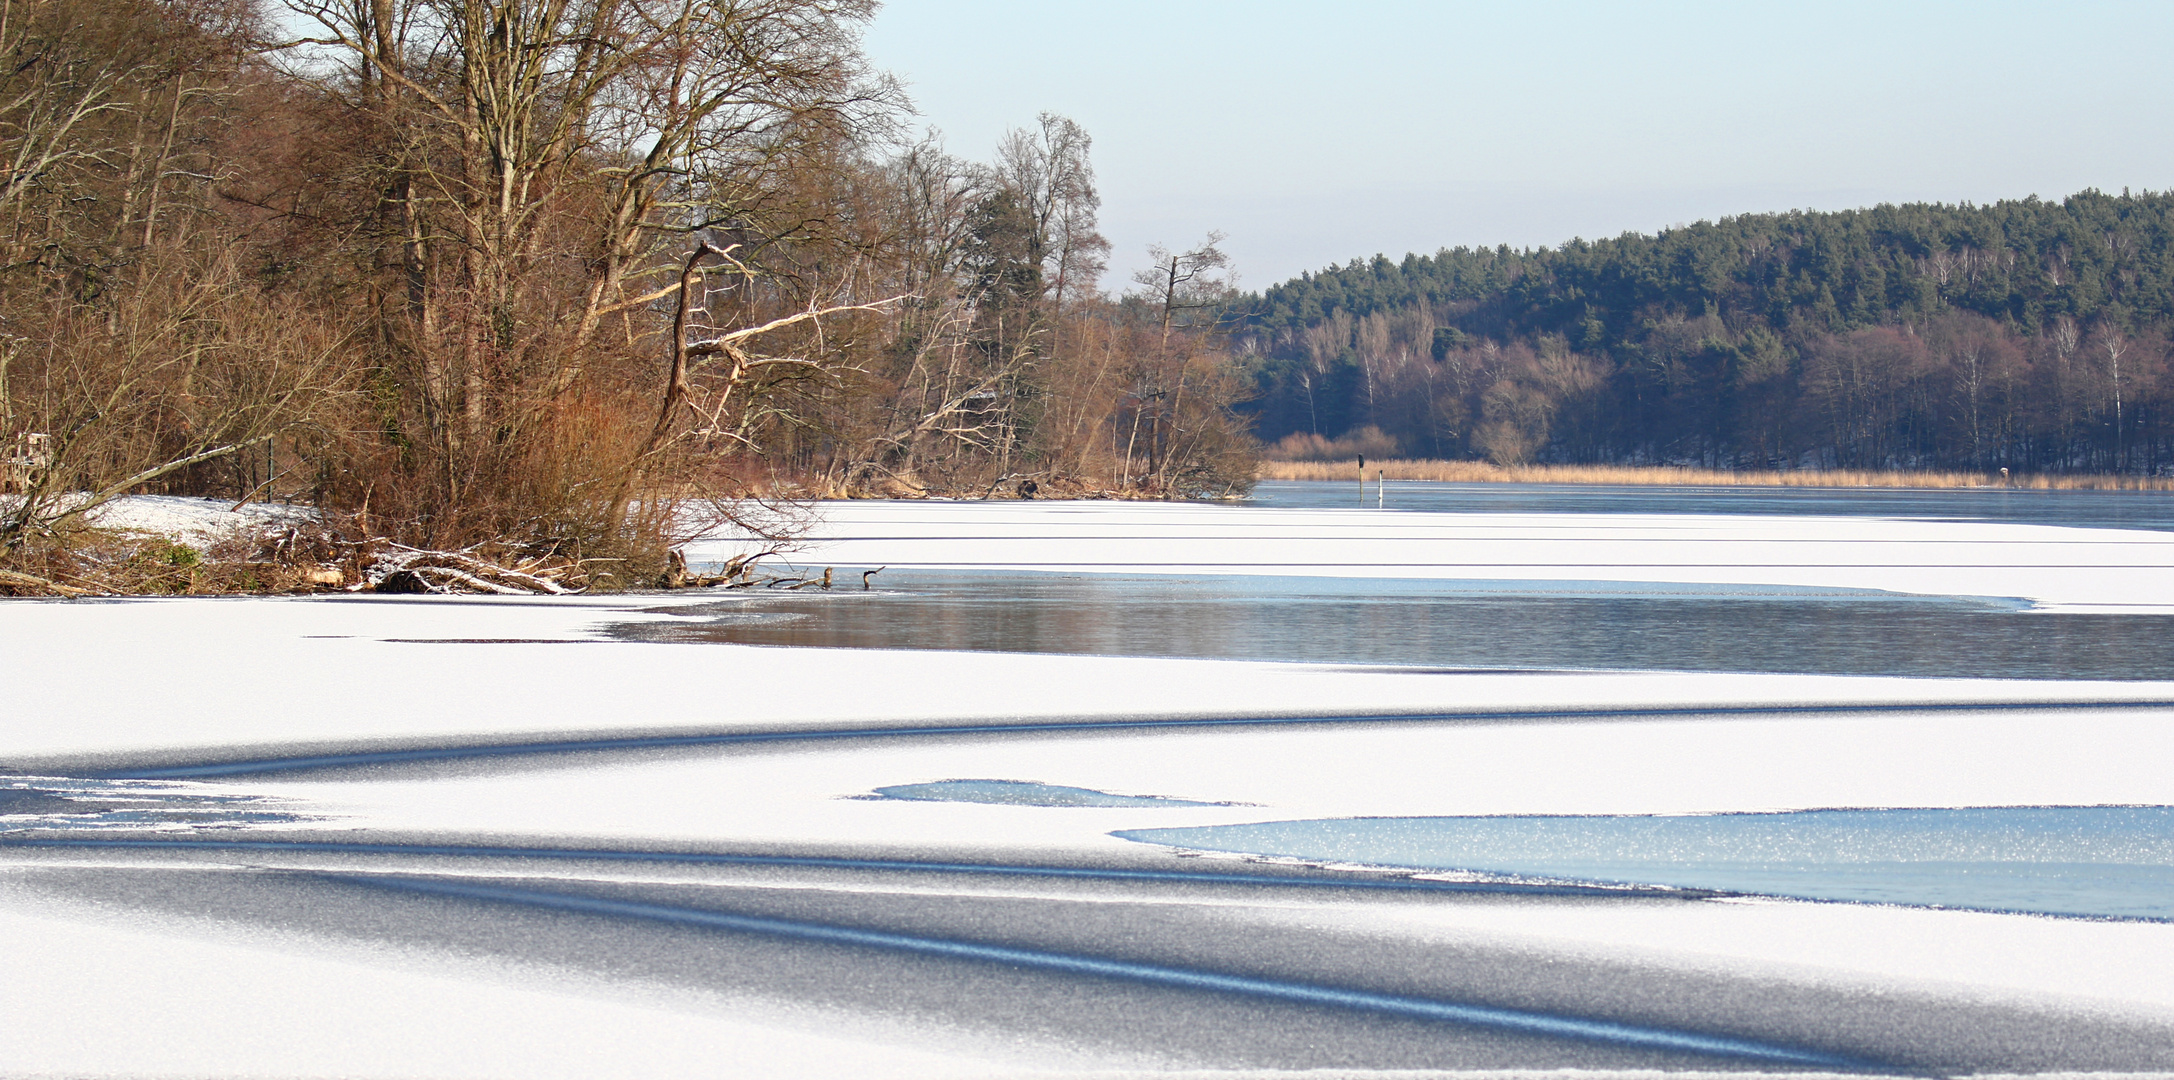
544, 165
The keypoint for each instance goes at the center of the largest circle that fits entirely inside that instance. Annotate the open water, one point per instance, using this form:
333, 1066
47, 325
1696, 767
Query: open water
2084, 509
1496, 624
1493, 624
1503, 624
2091, 861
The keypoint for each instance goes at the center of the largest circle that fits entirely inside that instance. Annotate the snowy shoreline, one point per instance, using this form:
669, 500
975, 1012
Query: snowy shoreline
672, 765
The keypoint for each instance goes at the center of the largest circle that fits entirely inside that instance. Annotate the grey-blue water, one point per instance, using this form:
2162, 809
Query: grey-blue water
2089, 509
1496, 624
1023, 793
2089, 861
39, 804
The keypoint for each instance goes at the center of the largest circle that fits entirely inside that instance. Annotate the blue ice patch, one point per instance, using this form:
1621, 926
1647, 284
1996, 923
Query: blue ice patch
2085, 861
1022, 793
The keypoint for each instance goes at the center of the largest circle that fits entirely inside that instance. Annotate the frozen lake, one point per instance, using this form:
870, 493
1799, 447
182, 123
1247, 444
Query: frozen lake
2089, 861
2082, 509
1430, 616
1448, 624
1553, 795
1549, 624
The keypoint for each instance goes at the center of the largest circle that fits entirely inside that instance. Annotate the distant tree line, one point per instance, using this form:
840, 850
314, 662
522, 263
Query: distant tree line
2026, 334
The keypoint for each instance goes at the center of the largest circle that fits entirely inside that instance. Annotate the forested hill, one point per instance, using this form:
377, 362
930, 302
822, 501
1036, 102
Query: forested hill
2025, 333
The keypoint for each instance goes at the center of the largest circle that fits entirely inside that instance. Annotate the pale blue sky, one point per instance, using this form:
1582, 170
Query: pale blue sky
1315, 132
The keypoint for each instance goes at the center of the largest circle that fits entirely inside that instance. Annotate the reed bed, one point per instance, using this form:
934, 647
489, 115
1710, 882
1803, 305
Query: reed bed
1481, 472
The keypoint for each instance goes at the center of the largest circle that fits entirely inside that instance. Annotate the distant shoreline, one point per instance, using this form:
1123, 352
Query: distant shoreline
1481, 472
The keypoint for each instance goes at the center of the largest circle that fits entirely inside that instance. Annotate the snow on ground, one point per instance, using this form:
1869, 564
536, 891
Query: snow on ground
2058, 568
286, 1008
272, 673
106, 681
805, 799
139, 675
2065, 569
195, 521
2122, 966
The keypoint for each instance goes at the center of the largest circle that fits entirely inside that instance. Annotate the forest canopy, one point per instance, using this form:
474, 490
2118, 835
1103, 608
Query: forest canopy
551, 274
2025, 334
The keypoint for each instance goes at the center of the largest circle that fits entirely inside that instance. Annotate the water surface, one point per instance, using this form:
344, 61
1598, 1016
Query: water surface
2087, 509
1492, 624
1502, 624
2090, 861
1022, 793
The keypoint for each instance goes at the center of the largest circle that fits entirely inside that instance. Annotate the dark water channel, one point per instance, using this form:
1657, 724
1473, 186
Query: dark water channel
1537, 624
2083, 509
1447, 623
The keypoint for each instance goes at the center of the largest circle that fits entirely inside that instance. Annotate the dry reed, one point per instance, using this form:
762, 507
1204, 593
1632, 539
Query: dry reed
1481, 472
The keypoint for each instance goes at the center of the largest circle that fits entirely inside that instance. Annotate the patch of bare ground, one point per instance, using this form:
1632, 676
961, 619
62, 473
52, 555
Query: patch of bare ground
107, 562
1020, 485
294, 559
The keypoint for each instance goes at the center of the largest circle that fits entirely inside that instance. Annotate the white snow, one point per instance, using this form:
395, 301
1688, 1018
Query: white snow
103, 993
90, 995
2059, 568
195, 521
179, 673
2120, 967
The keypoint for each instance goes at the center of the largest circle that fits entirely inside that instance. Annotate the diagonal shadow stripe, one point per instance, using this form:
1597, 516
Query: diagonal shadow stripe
1514, 1020
821, 862
302, 763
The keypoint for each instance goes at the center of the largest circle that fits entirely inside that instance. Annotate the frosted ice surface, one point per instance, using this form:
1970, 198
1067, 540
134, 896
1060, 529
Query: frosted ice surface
1022, 793
2102, 861
31, 803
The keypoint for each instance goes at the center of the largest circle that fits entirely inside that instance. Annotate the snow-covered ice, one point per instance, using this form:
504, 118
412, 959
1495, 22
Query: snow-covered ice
109, 967
2069, 569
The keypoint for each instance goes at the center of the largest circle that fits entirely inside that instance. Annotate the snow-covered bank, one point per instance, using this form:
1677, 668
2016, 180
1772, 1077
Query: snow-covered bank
2065, 569
198, 522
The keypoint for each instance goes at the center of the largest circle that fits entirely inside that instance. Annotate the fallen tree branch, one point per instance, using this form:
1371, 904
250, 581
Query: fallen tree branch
405, 569
13, 580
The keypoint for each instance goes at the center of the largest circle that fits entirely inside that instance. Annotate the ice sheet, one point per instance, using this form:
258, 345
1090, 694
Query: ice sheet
2059, 568
88, 995
111, 677
2083, 861
121, 680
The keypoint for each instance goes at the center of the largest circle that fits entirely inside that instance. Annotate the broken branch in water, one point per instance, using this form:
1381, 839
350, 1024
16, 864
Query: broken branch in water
739, 572
403, 569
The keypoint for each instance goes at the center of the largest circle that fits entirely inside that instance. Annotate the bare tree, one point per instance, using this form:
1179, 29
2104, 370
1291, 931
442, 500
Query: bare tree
541, 161
1177, 288
2115, 345
1050, 170
189, 371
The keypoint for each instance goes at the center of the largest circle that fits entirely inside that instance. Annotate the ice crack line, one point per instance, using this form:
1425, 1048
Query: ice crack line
666, 742
1516, 1020
820, 862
